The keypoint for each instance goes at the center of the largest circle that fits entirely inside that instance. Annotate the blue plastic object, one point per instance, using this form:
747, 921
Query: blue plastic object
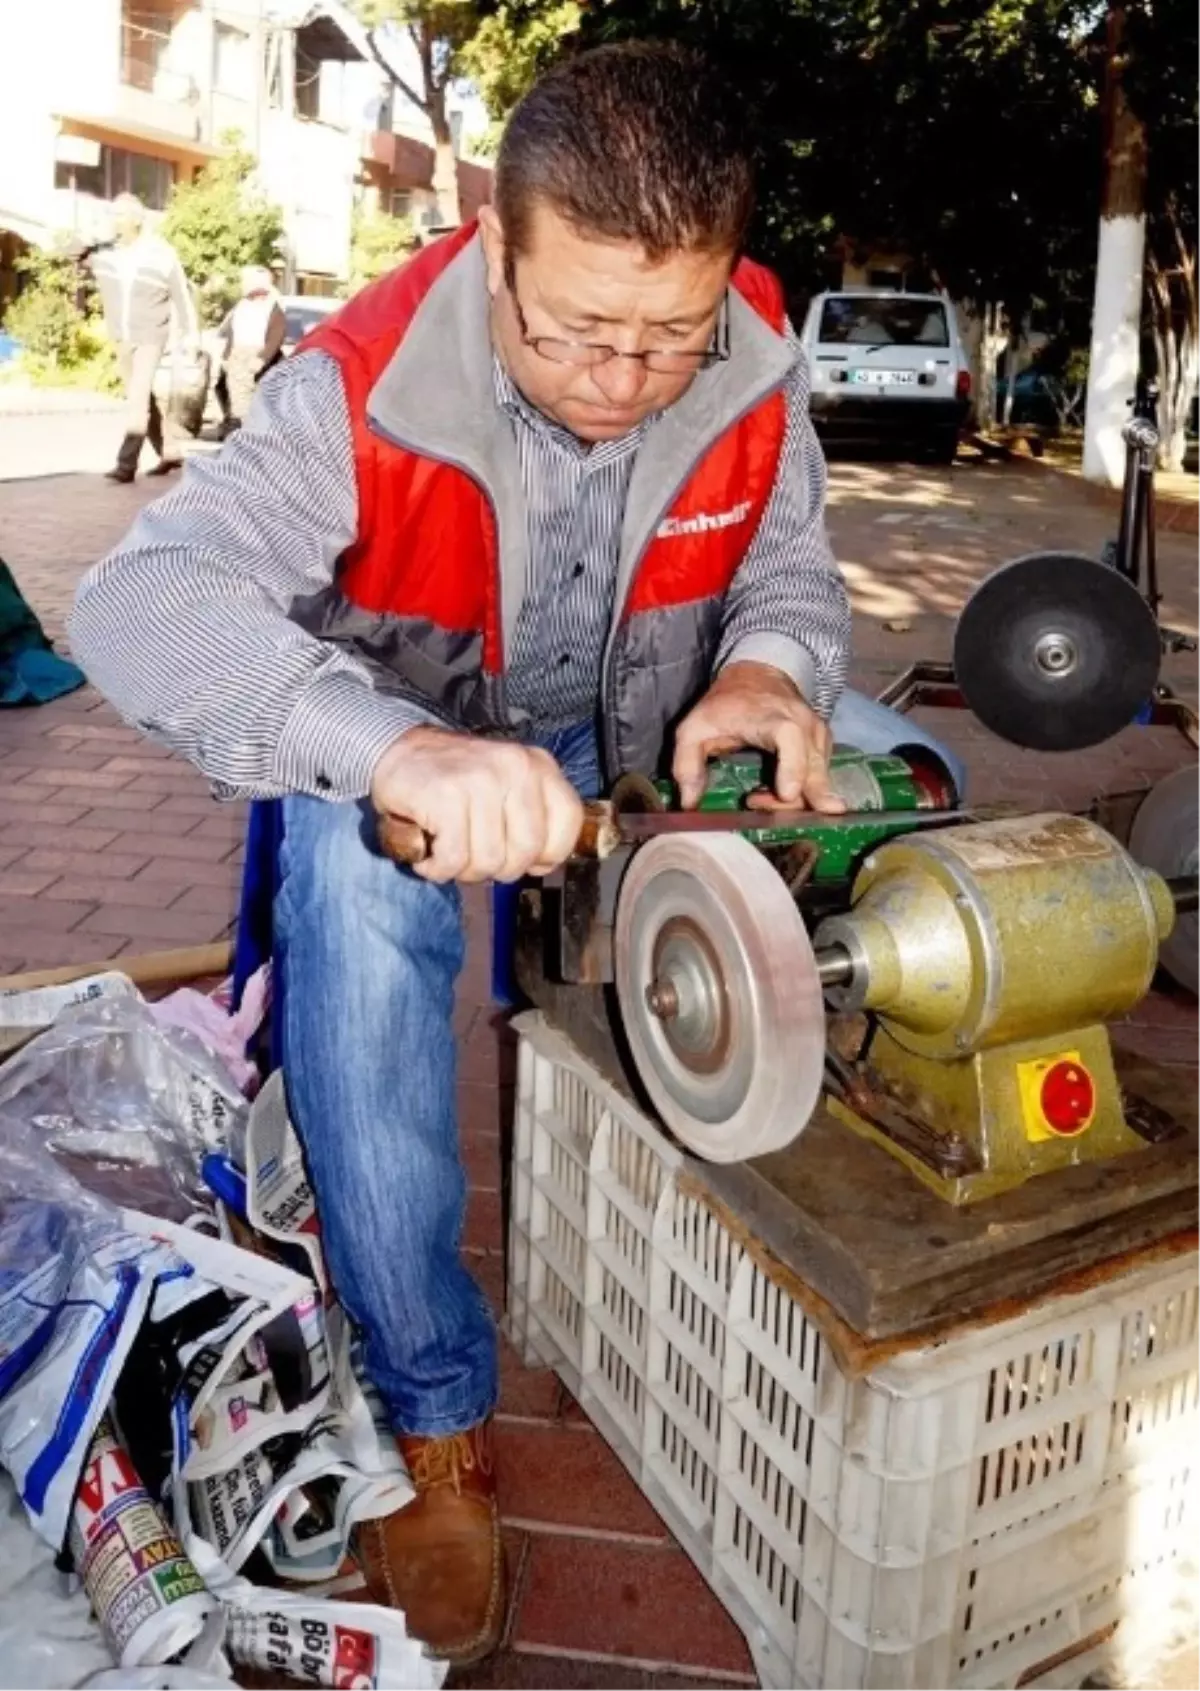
225, 1181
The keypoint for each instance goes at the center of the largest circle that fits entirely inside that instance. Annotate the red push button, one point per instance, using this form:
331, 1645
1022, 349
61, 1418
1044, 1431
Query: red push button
1068, 1098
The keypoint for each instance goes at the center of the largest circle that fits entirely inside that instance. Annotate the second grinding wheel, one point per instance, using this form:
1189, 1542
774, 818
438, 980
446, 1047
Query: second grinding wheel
1056, 652
1164, 837
720, 996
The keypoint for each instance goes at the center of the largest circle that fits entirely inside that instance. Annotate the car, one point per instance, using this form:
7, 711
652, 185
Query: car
887, 365
303, 312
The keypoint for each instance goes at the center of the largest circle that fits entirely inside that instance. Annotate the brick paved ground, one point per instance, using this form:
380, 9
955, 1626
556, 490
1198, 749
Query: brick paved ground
108, 846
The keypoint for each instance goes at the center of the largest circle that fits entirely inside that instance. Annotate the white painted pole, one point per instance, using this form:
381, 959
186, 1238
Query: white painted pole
1116, 320
1117, 311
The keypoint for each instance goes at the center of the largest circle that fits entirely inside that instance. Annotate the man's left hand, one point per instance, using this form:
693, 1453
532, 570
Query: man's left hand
753, 704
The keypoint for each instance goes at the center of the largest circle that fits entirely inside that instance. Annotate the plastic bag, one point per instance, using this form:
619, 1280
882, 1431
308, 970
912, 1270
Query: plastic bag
75, 1286
220, 1028
127, 1106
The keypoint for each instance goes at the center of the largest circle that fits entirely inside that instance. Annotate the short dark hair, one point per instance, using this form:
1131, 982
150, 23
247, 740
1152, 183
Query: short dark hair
639, 142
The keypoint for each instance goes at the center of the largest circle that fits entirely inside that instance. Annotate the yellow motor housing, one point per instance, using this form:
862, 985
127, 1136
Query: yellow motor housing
975, 937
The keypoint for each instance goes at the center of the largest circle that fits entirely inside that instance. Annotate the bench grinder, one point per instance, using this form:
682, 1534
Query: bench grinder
969, 979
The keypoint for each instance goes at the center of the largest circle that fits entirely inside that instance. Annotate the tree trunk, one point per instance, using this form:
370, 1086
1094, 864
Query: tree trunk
1116, 314
445, 164
445, 170
986, 340
1173, 310
1010, 375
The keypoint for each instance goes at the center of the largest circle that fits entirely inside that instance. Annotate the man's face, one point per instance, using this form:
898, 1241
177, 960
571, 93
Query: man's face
570, 287
128, 224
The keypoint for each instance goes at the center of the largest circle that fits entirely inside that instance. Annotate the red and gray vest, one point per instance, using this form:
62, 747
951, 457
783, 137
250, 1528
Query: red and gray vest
429, 592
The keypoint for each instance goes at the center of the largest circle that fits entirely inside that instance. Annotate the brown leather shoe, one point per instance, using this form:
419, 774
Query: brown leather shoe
440, 1559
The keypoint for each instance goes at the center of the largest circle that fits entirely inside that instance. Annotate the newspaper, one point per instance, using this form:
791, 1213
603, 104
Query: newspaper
148, 1598
281, 1202
37, 1007
288, 1452
315, 1641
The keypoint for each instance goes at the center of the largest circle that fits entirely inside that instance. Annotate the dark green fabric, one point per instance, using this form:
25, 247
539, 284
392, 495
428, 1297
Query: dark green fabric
31, 672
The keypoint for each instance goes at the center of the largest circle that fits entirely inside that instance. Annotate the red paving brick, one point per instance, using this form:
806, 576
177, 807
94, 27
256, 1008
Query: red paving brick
532, 1393
566, 1476
645, 1604
483, 1230
481, 1158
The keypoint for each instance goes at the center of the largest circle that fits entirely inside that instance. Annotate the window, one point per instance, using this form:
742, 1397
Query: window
308, 85
120, 172
233, 62
85, 179
145, 38
402, 202
859, 320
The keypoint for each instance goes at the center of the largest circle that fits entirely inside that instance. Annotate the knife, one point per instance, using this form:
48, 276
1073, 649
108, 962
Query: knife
605, 829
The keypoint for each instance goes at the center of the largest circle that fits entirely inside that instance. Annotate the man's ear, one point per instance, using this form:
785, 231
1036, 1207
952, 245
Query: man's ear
492, 236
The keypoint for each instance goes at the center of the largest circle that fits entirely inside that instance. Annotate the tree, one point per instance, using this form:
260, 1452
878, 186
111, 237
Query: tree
62, 340
511, 48
1117, 314
438, 29
1162, 90
220, 222
377, 244
500, 46
960, 131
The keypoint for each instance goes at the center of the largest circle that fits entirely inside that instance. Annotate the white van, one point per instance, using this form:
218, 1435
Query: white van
887, 365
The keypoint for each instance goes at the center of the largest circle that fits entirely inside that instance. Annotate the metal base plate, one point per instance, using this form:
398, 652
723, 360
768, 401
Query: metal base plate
1056, 652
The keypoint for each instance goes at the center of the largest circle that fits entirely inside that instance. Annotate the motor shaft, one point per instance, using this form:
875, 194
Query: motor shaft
1185, 890
835, 967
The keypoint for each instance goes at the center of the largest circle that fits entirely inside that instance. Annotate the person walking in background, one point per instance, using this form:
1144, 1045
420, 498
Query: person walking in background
252, 334
143, 291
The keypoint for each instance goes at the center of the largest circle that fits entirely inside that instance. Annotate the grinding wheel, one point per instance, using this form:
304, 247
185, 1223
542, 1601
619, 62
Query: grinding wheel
1056, 652
1164, 837
720, 996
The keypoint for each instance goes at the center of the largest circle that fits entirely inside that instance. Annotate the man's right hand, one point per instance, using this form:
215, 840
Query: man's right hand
494, 811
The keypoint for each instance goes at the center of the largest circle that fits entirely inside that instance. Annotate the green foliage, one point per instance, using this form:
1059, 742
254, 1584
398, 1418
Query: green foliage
377, 244
962, 131
501, 45
218, 223
511, 48
63, 346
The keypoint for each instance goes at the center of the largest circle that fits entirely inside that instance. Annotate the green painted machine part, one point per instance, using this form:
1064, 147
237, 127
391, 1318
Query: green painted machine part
866, 781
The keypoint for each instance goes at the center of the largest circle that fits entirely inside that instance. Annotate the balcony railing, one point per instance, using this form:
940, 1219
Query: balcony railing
144, 51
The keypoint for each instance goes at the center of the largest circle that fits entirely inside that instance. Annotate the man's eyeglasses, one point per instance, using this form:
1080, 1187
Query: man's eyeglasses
667, 361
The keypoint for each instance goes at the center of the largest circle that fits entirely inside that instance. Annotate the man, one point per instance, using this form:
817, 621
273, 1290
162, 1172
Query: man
142, 285
541, 507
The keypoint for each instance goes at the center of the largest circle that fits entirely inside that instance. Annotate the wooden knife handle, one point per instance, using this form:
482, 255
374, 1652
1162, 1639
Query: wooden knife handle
408, 843
405, 841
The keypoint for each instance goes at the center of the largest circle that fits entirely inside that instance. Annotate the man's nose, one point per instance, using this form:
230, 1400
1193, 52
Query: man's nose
621, 380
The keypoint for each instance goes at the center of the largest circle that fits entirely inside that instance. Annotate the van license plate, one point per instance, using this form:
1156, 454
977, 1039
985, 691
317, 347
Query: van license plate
883, 378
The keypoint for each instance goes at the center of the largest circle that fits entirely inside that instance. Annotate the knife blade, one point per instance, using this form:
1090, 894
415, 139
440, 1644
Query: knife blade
605, 829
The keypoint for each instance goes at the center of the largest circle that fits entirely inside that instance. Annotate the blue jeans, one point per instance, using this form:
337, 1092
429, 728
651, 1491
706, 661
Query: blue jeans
369, 955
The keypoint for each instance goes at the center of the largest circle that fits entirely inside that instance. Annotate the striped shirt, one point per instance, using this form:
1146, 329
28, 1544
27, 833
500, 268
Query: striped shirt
185, 625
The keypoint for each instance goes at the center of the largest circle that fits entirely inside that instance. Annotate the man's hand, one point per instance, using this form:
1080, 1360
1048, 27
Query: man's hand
494, 811
752, 704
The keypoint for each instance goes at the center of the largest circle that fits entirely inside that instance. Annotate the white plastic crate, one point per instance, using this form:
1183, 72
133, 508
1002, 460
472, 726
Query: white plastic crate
1015, 1506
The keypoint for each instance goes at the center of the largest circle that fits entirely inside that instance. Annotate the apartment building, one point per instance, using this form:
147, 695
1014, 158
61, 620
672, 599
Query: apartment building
102, 96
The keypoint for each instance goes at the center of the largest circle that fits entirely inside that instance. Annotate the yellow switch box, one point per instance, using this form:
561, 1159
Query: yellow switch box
1058, 1096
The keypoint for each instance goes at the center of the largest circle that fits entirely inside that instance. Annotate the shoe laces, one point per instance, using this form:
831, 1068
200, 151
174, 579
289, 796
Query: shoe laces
439, 1462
